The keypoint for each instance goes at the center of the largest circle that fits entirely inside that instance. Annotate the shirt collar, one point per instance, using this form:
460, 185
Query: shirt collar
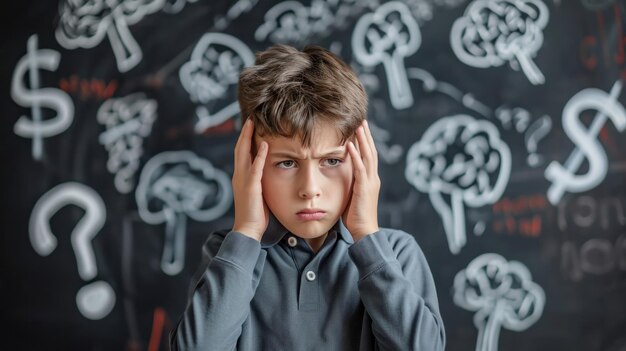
276, 232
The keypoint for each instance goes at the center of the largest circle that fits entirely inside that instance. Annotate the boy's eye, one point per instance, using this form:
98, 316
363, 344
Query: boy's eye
286, 164
333, 162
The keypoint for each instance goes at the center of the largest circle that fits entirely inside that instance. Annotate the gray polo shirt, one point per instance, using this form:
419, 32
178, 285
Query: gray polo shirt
376, 294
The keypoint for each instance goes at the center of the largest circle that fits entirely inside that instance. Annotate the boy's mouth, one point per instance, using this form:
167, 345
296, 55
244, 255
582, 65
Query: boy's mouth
311, 214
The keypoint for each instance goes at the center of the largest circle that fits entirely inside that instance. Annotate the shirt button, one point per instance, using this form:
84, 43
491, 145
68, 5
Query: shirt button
310, 276
292, 241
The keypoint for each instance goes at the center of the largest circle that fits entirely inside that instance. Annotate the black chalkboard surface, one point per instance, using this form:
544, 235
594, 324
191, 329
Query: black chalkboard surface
500, 127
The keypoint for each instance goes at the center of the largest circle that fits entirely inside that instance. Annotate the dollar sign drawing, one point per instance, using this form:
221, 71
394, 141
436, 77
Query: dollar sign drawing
563, 178
36, 98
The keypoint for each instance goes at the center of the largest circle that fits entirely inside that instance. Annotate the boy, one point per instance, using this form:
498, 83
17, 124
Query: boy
305, 266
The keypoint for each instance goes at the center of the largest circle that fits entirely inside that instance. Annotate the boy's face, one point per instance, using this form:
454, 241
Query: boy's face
296, 179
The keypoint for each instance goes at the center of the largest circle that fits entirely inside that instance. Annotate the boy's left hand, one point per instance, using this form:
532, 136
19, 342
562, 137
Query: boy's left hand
361, 214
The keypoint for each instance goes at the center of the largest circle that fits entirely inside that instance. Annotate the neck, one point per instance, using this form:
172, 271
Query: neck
316, 243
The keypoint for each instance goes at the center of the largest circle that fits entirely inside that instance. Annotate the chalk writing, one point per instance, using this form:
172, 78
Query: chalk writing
588, 212
88, 88
605, 47
597, 256
522, 215
596, 5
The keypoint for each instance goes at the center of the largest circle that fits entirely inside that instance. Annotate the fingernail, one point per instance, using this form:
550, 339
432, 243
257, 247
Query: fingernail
366, 123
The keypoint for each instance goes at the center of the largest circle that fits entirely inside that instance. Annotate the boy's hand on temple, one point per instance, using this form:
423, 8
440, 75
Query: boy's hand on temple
361, 214
251, 212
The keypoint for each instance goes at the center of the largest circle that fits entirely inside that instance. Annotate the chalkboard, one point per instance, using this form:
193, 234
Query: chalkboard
500, 127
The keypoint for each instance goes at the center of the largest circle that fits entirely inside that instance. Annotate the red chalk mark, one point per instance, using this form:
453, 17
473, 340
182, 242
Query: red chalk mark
621, 40
608, 142
605, 47
226, 127
520, 204
587, 56
530, 226
157, 329
520, 215
88, 88
510, 224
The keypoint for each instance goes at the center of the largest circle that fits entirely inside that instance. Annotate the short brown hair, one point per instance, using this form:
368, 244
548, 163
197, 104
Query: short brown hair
287, 92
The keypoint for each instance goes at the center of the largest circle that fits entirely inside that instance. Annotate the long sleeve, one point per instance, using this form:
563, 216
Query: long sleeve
398, 292
220, 302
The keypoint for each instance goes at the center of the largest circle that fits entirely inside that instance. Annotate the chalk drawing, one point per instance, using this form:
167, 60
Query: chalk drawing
175, 6
386, 37
503, 295
211, 73
84, 23
493, 32
174, 185
519, 120
35, 97
563, 177
96, 299
597, 5
431, 84
128, 121
464, 159
236, 10
291, 22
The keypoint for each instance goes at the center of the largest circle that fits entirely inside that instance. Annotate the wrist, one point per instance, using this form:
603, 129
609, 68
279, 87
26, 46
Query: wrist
248, 232
359, 234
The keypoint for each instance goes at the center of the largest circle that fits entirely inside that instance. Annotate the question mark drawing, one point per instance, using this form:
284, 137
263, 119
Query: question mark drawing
94, 300
539, 129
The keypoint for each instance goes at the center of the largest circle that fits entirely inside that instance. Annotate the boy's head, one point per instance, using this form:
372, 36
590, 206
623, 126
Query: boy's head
287, 92
305, 105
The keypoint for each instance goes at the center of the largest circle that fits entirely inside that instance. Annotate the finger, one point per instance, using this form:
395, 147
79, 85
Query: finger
259, 161
374, 154
368, 134
242, 148
357, 162
366, 152
241, 133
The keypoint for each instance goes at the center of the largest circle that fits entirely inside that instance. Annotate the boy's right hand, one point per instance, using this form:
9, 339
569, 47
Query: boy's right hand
251, 211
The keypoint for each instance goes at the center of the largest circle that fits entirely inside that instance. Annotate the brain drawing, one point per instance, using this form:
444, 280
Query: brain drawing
492, 33
465, 159
84, 23
502, 294
175, 185
211, 75
386, 37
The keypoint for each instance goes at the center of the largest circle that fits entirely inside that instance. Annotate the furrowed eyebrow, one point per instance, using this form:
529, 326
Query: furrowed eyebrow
283, 154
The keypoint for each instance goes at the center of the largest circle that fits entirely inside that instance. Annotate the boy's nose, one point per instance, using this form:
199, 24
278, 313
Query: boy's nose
310, 186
